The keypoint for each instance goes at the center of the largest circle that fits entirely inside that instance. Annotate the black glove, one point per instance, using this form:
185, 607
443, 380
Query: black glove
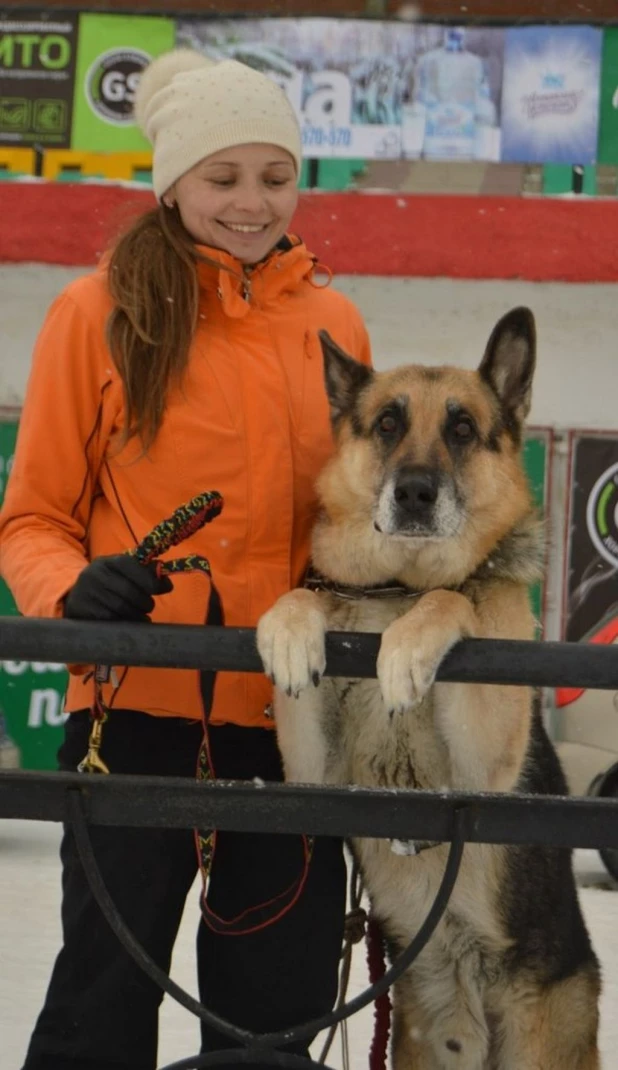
117, 587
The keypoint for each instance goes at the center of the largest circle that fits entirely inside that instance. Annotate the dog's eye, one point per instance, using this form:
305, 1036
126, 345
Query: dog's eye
388, 424
462, 430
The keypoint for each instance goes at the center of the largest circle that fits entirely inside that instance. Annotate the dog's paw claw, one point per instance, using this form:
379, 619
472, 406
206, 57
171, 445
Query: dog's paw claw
290, 641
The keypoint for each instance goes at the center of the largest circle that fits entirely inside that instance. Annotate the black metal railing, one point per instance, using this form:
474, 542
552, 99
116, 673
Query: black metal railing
455, 818
354, 654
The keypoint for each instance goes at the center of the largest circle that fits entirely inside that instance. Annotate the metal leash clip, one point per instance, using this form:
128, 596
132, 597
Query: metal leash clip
93, 763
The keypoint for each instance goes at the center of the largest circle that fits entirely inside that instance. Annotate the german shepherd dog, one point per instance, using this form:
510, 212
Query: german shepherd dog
427, 535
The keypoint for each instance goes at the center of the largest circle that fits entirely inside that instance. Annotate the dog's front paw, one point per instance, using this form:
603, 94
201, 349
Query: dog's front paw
290, 642
413, 646
405, 669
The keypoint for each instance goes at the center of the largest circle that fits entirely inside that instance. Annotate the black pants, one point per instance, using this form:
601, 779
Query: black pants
101, 1011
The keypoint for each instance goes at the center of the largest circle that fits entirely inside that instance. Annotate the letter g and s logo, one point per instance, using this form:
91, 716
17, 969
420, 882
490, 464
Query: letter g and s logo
111, 82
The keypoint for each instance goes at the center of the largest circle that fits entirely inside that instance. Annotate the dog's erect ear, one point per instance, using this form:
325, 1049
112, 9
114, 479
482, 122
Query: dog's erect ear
508, 364
343, 376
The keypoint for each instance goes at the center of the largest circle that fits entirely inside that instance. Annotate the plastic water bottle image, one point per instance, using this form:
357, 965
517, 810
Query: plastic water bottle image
450, 83
10, 757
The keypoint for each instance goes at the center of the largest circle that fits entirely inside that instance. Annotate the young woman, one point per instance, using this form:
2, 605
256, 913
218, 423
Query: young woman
189, 361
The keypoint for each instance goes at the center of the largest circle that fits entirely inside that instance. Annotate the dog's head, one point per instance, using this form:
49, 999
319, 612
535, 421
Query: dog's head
430, 456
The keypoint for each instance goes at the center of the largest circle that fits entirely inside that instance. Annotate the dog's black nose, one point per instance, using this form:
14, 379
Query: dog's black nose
416, 489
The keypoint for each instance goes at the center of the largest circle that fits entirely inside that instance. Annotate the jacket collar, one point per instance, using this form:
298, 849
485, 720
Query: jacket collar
237, 287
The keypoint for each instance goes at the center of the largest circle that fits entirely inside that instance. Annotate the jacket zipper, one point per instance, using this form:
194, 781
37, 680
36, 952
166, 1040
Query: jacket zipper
247, 285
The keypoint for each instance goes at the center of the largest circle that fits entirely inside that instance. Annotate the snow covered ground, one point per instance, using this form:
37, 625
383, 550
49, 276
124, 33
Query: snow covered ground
30, 935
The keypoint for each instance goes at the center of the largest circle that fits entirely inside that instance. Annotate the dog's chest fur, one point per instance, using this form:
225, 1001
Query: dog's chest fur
379, 749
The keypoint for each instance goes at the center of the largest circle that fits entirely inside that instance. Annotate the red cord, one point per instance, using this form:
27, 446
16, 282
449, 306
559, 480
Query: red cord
382, 1013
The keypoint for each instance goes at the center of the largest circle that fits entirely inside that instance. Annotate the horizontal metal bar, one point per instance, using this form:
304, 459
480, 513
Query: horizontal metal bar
166, 802
352, 654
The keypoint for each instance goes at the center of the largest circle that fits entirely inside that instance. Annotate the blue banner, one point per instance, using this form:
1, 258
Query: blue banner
362, 88
550, 95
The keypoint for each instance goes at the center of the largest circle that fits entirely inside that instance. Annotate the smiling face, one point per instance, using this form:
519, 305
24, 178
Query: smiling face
240, 200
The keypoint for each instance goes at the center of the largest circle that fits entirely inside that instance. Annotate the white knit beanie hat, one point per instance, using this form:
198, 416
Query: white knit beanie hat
190, 107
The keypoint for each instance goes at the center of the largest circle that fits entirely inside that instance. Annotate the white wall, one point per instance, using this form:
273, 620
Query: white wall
425, 320
26, 291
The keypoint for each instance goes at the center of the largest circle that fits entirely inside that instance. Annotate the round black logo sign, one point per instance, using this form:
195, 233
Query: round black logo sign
111, 83
602, 515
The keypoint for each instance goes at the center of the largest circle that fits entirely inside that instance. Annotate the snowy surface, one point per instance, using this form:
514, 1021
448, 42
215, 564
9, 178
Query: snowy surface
30, 935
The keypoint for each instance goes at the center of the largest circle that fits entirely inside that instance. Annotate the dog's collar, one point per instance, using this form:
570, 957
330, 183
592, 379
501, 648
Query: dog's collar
519, 558
314, 581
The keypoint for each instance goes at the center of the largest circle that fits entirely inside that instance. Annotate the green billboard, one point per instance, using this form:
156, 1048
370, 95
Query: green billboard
112, 53
608, 117
537, 456
31, 692
37, 69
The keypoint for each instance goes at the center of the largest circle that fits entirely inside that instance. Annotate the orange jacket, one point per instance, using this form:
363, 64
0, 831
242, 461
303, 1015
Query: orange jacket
250, 420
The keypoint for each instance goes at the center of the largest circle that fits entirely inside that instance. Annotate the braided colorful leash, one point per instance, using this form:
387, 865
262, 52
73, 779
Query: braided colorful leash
185, 521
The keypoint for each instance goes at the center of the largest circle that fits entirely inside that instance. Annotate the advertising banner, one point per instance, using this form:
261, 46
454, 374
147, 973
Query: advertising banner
550, 94
113, 51
37, 71
592, 553
373, 90
608, 123
537, 460
31, 692
590, 612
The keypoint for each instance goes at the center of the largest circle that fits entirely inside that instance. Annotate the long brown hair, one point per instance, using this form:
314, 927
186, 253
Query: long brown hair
152, 278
